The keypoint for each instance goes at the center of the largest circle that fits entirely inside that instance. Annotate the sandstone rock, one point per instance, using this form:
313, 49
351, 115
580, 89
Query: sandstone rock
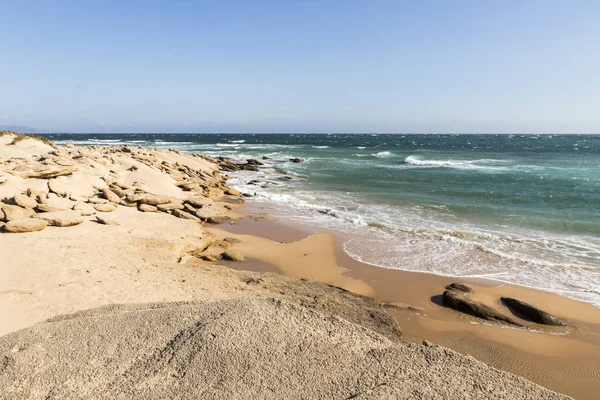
97, 200
462, 302
111, 196
1, 215
232, 255
531, 312
233, 192
106, 220
221, 243
459, 286
58, 187
45, 207
106, 207
25, 225
154, 199
12, 213
184, 215
125, 203
218, 219
24, 201
170, 207
51, 173
232, 240
199, 201
85, 209
62, 218
210, 257
207, 212
118, 190
147, 208
189, 208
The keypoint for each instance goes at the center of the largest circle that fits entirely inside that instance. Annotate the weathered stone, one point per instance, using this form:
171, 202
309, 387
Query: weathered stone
531, 312
210, 257
296, 160
199, 201
125, 203
97, 200
118, 191
189, 208
233, 192
147, 208
106, 220
155, 199
232, 240
459, 286
1, 215
24, 201
207, 212
184, 215
25, 225
106, 207
85, 209
111, 196
45, 207
12, 213
62, 218
232, 255
50, 173
462, 302
221, 243
218, 219
59, 187
170, 207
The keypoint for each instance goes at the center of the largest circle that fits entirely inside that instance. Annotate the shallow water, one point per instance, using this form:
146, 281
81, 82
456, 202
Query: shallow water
523, 209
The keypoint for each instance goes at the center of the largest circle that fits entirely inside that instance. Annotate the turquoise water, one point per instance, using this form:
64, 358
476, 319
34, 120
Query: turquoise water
523, 209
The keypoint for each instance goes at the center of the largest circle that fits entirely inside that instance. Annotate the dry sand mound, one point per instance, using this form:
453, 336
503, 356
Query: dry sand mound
234, 349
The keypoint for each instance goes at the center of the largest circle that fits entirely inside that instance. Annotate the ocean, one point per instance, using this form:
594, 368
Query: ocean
522, 209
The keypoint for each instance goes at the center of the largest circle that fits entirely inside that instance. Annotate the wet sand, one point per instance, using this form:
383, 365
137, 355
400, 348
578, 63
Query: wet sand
564, 359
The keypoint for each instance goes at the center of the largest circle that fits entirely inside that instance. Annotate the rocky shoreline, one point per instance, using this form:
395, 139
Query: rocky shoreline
128, 225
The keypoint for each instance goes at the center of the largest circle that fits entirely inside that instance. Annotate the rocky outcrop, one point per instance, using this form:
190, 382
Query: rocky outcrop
111, 196
24, 201
462, 302
12, 212
532, 313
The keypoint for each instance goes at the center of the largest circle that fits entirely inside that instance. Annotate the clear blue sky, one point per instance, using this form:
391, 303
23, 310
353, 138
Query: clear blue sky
301, 66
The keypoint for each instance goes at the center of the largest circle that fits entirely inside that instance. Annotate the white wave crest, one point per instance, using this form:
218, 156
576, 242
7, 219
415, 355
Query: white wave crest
459, 164
320, 147
383, 154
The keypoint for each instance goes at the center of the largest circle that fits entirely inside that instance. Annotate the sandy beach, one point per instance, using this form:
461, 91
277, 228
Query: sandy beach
151, 252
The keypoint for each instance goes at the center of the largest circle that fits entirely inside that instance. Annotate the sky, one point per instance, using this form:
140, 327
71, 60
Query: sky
301, 66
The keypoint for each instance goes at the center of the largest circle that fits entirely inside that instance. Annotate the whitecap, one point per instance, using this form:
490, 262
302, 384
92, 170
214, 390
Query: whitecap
383, 154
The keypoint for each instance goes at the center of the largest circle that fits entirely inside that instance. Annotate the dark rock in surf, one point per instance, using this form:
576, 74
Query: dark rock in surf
531, 312
296, 160
460, 301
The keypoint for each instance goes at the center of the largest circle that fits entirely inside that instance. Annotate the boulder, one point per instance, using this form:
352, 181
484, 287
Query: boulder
460, 301
125, 203
111, 196
85, 209
531, 312
231, 255
24, 201
61, 218
58, 187
25, 225
106, 207
232, 240
97, 200
1, 215
184, 215
118, 190
106, 220
147, 208
170, 207
459, 286
154, 199
199, 201
189, 208
218, 219
296, 160
12, 212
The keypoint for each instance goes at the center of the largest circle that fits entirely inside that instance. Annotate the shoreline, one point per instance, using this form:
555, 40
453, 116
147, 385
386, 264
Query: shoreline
98, 241
543, 354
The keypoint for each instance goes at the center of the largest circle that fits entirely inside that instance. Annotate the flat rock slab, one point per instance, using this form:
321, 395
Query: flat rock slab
105, 207
84, 209
12, 212
460, 301
184, 215
25, 225
232, 255
51, 173
61, 218
24, 201
106, 220
147, 208
111, 196
154, 200
199, 201
532, 313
